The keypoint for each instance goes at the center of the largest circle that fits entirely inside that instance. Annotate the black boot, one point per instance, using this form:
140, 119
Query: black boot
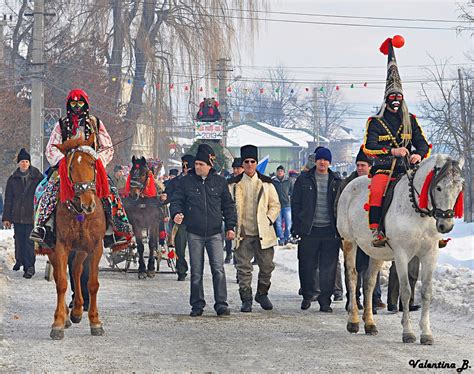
228, 258
246, 297
261, 297
43, 235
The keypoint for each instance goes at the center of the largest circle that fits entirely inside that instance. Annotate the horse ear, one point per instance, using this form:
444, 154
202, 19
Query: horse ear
61, 148
143, 160
133, 160
461, 162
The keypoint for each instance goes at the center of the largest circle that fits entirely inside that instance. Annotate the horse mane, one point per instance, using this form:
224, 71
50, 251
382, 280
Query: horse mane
73, 143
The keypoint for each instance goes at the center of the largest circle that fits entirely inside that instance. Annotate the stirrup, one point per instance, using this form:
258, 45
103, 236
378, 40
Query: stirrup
38, 234
379, 239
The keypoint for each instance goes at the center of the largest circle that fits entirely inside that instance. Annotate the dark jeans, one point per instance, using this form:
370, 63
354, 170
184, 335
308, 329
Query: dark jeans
213, 246
180, 242
24, 246
319, 250
84, 276
394, 284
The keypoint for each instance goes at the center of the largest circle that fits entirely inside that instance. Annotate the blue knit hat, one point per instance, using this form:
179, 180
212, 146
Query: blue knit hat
323, 153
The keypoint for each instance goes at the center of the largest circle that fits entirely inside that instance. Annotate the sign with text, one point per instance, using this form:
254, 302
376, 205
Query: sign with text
209, 130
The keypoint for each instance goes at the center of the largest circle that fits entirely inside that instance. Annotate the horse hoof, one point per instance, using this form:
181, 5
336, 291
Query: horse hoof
371, 330
97, 330
141, 275
150, 273
352, 327
75, 319
408, 338
427, 339
67, 324
57, 333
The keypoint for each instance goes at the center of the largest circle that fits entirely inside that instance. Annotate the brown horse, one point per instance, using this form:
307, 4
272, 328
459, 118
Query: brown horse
80, 226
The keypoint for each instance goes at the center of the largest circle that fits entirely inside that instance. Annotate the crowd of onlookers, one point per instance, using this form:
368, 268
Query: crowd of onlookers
299, 210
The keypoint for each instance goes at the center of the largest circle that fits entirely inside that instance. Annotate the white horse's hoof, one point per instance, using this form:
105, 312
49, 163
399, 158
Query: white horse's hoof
408, 338
427, 339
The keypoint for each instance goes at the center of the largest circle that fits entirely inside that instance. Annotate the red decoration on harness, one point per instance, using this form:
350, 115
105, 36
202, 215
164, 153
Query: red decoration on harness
459, 206
102, 187
162, 235
66, 190
126, 190
150, 189
423, 199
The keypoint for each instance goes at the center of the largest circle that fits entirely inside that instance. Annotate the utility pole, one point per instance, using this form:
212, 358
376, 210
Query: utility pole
37, 86
222, 71
2, 24
467, 139
315, 117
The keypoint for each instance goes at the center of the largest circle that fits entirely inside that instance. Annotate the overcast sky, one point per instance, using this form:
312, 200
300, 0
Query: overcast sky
298, 45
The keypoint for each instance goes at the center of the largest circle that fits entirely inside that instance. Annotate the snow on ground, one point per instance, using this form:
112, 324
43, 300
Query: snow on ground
148, 328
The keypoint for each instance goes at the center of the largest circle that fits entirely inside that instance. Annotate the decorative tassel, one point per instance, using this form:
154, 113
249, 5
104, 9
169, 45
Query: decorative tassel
101, 180
385, 45
66, 190
459, 206
150, 189
423, 199
126, 190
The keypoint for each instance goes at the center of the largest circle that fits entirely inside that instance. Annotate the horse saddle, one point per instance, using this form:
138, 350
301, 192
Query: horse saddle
387, 200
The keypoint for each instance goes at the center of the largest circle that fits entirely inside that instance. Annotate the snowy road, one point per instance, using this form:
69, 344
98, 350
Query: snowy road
148, 330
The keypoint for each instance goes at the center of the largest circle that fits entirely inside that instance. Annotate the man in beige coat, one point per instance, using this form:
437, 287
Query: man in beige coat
258, 207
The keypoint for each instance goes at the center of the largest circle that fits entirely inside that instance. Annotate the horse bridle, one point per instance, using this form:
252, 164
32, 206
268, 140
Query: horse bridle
438, 174
137, 184
81, 187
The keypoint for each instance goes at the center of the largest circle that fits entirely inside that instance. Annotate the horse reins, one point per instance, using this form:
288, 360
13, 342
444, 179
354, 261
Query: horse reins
438, 174
82, 186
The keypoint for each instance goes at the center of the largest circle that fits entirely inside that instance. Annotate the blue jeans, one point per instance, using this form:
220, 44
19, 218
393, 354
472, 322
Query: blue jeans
213, 246
285, 214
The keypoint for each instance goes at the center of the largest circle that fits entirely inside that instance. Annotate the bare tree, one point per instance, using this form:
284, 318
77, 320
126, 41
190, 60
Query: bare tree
124, 50
449, 112
275, 101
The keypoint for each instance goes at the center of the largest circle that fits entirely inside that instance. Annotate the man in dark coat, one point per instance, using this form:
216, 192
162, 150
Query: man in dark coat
203, 198
314, 222
19, 210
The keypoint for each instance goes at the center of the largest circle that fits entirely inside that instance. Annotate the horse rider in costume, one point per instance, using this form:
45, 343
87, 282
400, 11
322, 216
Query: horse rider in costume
393, 138
78, 122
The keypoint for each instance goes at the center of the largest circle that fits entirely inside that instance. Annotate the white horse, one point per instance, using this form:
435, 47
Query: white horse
411, 231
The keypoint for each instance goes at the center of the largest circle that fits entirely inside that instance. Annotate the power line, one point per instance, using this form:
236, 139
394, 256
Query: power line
353, 17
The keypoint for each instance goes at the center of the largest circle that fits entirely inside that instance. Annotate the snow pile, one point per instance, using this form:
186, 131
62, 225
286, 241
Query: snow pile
453, 289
